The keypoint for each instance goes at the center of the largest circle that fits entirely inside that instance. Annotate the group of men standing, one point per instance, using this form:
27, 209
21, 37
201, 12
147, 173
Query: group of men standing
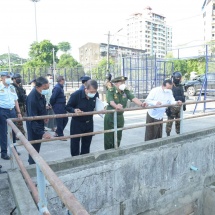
45, 98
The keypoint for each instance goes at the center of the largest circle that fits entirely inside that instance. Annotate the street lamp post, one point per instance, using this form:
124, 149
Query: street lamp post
35, 13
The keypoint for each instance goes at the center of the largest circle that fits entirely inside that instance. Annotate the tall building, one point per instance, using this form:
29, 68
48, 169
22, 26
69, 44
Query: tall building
208, 10
148, 30
91, 53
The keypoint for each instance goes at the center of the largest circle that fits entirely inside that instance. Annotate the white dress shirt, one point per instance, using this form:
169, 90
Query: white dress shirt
158, 95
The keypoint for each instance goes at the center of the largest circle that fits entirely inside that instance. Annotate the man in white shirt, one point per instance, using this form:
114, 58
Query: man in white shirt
158, 96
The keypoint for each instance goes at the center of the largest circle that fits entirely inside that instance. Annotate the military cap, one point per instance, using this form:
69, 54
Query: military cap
85, 78
34, 80
6, 73
17, 75
118, 79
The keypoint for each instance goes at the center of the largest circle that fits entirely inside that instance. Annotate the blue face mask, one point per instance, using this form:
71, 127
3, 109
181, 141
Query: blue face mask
45, 92
8, 81
91, 95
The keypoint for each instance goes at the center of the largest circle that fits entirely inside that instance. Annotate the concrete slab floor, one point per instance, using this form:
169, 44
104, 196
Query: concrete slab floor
58, 150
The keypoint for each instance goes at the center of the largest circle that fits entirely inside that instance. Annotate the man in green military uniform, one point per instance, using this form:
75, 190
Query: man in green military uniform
117, 96
21, 93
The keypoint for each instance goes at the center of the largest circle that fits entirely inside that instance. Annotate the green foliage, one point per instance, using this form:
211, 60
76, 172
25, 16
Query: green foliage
15, 60
41, 54
100, 71
67, 61
64, 46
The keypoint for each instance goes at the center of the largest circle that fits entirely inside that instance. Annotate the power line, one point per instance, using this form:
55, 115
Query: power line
187, 18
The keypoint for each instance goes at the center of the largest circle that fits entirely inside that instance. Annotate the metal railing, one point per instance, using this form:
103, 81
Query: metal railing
44, 171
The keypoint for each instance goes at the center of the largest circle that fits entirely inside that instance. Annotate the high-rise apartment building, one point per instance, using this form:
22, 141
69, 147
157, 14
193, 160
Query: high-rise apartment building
148, 30
208, 10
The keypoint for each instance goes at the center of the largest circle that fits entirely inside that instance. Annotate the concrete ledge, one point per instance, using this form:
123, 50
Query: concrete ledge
23, 199
112, 153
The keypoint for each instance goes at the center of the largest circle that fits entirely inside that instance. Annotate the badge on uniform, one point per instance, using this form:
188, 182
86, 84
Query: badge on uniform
124, 95
115, 96
12, 90
2, 91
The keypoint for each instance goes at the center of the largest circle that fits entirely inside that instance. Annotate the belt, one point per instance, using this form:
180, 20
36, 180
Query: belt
83, 121
6, 108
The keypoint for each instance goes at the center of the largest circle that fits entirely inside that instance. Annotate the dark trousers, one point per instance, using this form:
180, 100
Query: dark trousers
4, 115
153, 131
33, 136
61, 122
78, 127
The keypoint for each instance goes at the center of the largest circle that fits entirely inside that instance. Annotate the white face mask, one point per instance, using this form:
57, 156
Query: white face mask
50, 81
122, 87
8, 81
167, 91
91, 95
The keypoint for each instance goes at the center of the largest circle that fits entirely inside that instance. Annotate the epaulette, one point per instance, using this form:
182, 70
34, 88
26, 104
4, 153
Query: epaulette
109, 86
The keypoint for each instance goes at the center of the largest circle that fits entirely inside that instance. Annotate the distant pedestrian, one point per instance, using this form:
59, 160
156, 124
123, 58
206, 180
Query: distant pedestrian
117, 96
32, 83
21, 93
82, 101
158, 96
174, 111
52, 122
36, 106
58, 103
84, 80
9, 108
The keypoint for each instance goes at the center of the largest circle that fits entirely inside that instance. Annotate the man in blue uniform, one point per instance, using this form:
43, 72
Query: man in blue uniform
84, 80
36, 106
82, 101
8, 104
58, 103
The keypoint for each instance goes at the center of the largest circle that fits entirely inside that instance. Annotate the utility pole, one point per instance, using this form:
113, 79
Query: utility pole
108, 45
9, 64
35, 16
54, 69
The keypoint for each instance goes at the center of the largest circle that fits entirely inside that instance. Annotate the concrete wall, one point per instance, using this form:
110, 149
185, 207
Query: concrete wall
150, 178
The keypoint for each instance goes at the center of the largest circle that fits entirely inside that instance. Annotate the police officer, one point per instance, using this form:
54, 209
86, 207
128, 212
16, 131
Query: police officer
36, 106
117, 96
21, 93
84, 80
82, 101
174, 112
58, 103
9, 108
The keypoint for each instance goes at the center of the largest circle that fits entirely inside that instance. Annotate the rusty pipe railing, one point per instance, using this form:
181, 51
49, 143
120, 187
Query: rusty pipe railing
64, 194
100, 112
112, 130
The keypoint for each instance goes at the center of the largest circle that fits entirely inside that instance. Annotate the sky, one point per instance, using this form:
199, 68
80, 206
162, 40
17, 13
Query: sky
82, 21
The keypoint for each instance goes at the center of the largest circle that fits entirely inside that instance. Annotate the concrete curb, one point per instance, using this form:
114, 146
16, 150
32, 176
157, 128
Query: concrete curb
21, 194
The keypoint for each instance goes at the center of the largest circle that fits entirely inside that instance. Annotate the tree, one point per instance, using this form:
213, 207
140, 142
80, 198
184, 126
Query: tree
41, 54
64, 46
100, 71
67, 61
15, 60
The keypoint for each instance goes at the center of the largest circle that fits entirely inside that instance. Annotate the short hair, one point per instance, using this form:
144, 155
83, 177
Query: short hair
60, 78
92, 83
48, 75
41, 81
167, 81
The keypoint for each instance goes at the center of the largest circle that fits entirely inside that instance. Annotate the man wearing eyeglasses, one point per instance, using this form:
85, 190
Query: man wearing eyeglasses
58, 103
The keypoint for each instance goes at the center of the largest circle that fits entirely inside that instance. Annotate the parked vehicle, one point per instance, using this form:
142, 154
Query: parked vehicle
194, 87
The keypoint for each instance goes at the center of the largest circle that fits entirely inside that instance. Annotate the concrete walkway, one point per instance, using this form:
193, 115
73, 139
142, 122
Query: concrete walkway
58, 150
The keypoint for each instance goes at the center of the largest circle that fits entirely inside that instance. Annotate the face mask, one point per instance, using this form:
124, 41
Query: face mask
8, 81
18, 81
45, 92
167, 91
122, 87
50, 81
91, 95
177, 81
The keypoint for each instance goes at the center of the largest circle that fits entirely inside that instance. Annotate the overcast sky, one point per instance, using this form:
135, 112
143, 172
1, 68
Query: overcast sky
82, 21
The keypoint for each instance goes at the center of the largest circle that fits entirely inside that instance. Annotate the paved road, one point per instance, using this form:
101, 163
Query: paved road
58, 150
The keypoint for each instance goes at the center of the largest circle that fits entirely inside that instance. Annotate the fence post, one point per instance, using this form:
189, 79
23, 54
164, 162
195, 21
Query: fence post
115, 130
181, 119
41, 184
9, 143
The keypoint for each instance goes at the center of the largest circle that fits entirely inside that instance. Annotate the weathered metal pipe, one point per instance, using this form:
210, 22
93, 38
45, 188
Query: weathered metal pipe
119, 129
64, 194
99, 112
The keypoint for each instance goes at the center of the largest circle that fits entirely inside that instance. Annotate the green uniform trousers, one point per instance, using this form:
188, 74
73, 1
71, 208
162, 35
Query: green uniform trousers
109, 124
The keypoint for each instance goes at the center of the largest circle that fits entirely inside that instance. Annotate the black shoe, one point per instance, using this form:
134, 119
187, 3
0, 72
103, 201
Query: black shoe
5, 157
19, 153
